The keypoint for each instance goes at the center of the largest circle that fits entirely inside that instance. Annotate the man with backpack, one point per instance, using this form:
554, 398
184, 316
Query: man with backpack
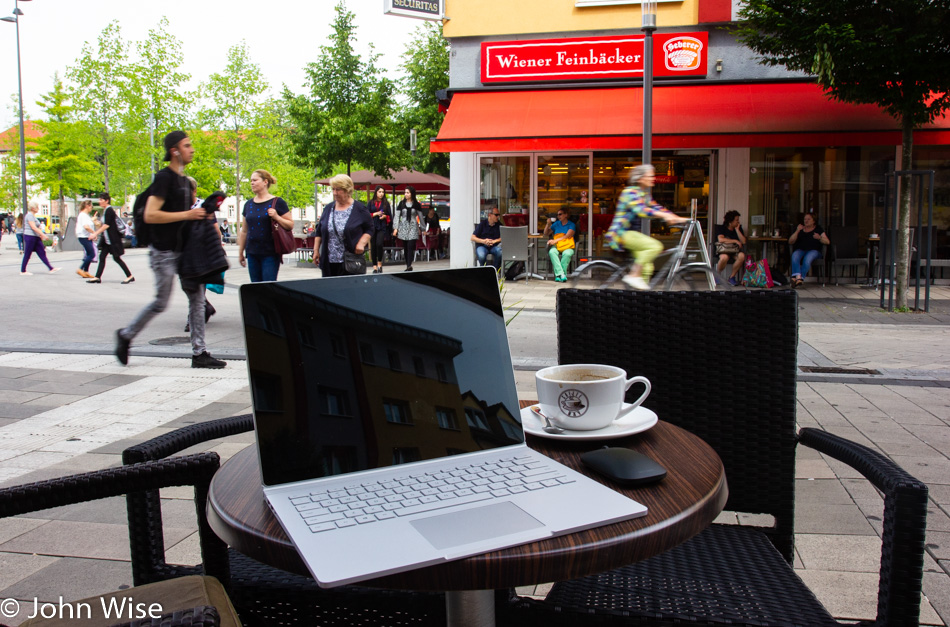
168, 205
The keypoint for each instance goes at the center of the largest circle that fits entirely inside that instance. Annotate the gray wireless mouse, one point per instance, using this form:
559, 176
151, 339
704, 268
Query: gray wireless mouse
626, 467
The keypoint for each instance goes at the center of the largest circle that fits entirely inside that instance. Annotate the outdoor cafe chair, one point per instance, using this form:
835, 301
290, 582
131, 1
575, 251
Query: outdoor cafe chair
727, 574
194, 600
263, 595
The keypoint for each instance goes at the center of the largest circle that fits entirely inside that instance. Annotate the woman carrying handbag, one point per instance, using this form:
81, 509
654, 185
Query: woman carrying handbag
256, 248
343, 233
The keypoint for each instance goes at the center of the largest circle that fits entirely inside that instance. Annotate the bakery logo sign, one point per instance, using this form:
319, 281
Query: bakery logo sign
421, 9
682, 53
592, 58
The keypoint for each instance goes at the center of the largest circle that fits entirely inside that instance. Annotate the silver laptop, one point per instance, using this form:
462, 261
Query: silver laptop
388, 426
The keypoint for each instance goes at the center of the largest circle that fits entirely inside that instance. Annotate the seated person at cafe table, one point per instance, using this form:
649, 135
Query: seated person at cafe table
487, 238
730, 244
561, 245
806, 243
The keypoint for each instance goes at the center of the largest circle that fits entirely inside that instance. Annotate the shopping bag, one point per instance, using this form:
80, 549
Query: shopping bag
757, 273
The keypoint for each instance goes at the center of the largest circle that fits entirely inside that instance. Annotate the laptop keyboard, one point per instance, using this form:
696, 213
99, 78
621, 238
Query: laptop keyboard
368, 502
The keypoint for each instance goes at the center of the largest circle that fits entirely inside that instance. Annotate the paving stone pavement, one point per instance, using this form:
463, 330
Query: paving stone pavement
67, 406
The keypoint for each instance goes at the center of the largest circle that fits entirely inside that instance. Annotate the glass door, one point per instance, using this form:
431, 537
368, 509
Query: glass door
564, 183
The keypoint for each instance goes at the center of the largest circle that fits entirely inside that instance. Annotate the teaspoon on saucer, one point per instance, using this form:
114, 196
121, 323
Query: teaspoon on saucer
548, 427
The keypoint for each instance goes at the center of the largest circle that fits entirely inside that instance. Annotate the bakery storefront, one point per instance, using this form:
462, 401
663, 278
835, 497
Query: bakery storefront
557, 124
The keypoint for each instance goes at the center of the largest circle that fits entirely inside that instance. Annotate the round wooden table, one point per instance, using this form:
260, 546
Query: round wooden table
680, 506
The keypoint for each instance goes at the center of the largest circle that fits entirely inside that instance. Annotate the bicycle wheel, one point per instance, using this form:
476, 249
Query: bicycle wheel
597, 273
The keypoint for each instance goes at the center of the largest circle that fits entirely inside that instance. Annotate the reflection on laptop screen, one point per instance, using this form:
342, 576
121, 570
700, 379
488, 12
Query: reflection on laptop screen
362, 372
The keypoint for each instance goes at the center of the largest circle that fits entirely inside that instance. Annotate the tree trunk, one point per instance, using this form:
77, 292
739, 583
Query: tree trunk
237, 175
903, 220
62, 205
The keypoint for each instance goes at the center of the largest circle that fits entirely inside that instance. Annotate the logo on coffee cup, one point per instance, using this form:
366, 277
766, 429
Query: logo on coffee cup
573, 403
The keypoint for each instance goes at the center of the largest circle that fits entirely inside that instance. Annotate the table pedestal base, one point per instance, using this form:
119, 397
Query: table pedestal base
470, 608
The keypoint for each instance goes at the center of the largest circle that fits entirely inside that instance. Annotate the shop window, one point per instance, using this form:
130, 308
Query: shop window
505, 184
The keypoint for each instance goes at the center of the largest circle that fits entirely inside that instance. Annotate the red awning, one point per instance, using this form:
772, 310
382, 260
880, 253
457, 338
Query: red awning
684, 116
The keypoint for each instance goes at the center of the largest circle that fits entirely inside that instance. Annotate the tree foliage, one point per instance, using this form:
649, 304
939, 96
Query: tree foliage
100, 94
891, 53
234, 104
61, 165
426, 67
159, 101
348, 116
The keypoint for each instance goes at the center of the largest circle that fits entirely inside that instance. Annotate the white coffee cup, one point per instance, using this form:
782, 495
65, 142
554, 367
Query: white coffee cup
584, 397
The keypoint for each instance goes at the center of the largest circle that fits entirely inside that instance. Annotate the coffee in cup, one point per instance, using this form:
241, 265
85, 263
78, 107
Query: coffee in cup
584, 397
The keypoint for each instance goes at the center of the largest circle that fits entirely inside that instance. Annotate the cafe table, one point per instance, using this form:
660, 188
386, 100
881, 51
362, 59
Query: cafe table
767, 243
684, 503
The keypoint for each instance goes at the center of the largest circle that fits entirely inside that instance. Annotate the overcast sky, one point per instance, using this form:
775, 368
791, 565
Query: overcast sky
283, 36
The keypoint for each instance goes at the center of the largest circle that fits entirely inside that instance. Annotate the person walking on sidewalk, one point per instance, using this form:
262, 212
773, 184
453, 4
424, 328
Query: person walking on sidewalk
34, 240
166, 208
110, 242
18, 226
85, 228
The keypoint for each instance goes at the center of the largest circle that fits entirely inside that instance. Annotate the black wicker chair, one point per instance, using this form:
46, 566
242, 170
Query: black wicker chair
192, 470
263, 595
728, 574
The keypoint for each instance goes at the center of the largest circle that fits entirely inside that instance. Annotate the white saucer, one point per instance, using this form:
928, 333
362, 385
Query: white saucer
637, 421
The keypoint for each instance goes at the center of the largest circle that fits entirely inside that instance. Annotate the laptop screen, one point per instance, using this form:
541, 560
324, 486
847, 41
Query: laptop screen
361, 372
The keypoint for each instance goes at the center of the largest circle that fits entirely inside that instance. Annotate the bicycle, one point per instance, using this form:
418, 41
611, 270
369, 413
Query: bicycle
676, 269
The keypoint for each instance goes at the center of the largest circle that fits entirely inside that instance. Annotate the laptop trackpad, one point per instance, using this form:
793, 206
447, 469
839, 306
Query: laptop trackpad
474, 525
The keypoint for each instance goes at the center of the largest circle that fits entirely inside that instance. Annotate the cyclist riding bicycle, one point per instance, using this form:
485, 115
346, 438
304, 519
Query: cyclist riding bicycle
624, 234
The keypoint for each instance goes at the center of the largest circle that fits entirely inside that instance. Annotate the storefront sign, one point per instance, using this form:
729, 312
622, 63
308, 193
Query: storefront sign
421, 9
591, 58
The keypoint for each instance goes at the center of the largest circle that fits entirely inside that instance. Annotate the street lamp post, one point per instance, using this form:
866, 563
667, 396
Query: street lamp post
19, 74
648, 8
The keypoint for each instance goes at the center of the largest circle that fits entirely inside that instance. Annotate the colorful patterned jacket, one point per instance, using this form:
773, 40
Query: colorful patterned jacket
634, 203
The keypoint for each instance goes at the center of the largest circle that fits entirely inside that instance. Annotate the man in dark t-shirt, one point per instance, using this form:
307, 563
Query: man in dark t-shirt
487, 238
168, 206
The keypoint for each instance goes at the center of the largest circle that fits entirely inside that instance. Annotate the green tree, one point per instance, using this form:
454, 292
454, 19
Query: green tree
10, 188
60, 165
426, 66
348, 116
234, 96
159, 102
891, 53
100, 94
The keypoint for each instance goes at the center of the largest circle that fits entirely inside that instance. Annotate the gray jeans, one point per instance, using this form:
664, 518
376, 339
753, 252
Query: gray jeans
165, 266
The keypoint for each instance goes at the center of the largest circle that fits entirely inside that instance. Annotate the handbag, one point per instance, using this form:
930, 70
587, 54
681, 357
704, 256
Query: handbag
757, 274
564, 244
353, 263
727, 248
284, 243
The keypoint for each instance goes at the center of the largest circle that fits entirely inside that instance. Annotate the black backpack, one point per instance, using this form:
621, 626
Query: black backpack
142, 233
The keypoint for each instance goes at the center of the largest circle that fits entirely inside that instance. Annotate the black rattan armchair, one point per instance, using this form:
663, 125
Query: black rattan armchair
728, 574
263, 595
192, 470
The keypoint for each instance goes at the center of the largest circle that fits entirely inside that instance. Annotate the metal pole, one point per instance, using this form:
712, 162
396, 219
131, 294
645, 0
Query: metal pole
19, 76
649, 25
